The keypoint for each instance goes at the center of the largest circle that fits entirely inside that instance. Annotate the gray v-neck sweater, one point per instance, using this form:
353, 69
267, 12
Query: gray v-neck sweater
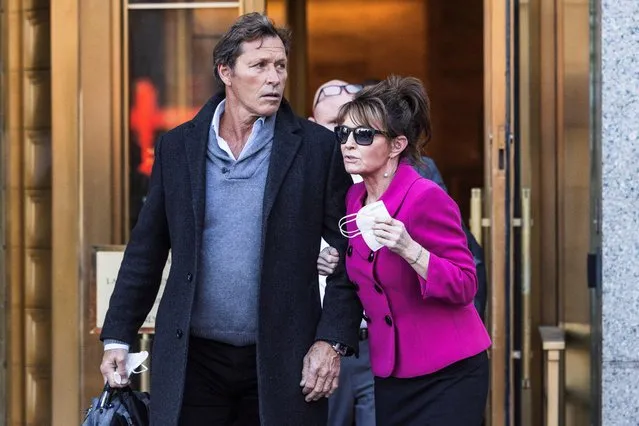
226, 298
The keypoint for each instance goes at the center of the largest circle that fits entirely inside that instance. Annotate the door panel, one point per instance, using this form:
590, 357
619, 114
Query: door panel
573, 153
553, 132
169, 77
497, 94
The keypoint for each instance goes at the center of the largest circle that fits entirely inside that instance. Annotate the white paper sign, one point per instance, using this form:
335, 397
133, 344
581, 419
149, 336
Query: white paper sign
107, 265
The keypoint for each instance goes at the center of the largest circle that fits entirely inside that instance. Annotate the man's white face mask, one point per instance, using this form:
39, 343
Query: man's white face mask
365, 219
133, 361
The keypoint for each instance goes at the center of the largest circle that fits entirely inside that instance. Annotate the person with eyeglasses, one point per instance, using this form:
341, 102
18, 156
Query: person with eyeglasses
354, 400
329, 97
409, 262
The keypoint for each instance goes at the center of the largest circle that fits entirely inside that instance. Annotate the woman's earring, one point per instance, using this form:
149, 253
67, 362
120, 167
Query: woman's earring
386, 172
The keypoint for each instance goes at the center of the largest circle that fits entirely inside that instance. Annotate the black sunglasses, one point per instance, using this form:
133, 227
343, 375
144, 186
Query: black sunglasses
362, 135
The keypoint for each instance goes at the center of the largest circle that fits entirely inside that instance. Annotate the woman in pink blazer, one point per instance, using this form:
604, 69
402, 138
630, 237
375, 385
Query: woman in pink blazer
411, 266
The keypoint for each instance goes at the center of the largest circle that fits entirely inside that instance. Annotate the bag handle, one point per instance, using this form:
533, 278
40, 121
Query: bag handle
105, 397
108, 393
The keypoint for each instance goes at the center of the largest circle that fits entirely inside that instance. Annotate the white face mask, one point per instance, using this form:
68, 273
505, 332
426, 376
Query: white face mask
133, 361
365, 219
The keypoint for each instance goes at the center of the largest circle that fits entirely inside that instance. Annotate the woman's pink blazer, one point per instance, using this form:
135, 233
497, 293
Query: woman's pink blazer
417, 326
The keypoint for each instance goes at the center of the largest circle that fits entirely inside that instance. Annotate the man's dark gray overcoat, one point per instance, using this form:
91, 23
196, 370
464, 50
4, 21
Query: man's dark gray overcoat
303, 201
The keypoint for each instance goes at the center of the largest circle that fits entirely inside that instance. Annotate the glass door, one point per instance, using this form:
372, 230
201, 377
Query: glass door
168, 75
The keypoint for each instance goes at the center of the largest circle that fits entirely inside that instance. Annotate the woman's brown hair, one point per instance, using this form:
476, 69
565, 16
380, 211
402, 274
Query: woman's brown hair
397, 106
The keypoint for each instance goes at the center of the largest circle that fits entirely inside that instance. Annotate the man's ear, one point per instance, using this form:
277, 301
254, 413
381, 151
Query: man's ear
225, 73
398, 145
312, 119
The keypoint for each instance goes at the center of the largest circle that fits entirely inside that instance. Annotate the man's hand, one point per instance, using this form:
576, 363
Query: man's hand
320, 374
113, 361
327, 261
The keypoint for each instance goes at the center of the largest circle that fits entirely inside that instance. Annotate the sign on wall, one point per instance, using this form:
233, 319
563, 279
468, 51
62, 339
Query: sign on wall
106, 265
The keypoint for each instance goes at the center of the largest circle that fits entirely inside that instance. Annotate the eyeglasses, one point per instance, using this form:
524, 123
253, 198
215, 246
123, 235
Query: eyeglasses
334, 90
362, 135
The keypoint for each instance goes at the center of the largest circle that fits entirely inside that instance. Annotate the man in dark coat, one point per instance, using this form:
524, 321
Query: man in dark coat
242, 196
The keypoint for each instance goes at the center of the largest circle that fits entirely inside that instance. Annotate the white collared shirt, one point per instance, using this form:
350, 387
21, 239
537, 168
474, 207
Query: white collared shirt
224, 146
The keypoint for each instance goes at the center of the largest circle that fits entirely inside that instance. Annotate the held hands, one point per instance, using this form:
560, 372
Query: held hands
327, 261
320, 373
114, 360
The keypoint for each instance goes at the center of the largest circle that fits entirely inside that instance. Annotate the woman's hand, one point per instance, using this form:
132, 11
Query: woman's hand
327, 261
392, 234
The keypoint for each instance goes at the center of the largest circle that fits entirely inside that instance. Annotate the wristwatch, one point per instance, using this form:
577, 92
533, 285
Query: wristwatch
340, 348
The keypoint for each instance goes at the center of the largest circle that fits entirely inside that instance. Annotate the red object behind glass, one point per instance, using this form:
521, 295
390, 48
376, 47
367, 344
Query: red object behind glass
147, 118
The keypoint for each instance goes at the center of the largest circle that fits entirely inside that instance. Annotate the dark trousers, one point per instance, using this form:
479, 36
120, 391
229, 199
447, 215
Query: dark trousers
453, 396
354, 400
221, 385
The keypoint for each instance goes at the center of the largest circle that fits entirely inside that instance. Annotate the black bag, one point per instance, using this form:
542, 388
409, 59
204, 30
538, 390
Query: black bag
119, 407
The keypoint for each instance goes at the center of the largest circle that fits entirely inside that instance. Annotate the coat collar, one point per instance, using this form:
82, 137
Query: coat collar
286, 142
394, 196
196, 138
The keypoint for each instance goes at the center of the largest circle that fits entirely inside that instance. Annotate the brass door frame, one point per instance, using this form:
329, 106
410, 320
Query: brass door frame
574, 192
595, 213
496, 137
65, 41
3, 279
298, 60
86, 98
